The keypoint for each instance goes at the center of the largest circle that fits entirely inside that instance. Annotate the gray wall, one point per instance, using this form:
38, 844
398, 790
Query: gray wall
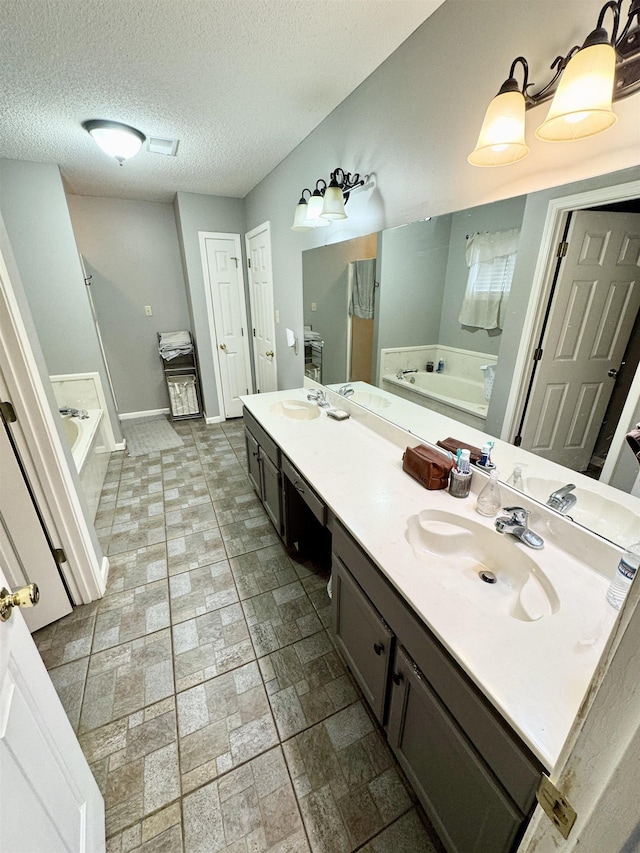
131, 250
195, 213
412, 124
34, 208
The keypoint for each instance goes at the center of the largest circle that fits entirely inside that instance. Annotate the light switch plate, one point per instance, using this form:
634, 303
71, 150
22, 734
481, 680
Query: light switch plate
148, 310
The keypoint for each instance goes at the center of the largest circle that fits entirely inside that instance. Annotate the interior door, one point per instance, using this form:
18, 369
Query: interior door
258, 244
33, 561
596, 300
230, 328
50, 800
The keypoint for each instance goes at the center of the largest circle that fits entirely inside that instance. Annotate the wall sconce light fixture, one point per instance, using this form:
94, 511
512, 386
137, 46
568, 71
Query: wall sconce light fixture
325, 203
586, 81
117, 140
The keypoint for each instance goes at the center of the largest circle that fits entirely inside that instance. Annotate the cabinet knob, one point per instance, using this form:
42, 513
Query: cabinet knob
378, 648
397, 677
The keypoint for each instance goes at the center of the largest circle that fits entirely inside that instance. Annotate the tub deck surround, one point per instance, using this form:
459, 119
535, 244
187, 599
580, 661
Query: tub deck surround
535, 673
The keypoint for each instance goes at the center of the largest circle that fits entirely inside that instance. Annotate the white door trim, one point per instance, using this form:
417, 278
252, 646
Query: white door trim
203, 236
541, 285
43, 455
265, 227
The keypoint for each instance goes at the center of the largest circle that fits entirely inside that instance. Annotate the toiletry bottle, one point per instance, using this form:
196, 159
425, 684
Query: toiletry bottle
486, 455
440, 367
627, 568
489, 500
515, 479
464, 462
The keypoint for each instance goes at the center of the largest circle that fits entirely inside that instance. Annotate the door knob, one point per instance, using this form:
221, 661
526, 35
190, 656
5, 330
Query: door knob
269, 354
223, 346
26, 596
612, 372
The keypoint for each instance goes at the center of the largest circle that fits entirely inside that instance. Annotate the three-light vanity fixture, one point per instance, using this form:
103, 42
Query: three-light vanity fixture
586, 81
326, 203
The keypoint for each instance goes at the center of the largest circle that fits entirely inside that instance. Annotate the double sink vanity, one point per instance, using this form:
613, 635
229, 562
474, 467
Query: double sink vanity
476, 684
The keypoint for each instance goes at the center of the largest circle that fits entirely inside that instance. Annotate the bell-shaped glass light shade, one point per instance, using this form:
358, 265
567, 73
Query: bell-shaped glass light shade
300, 216
501, 139
117, 140
314, 209
581, 105
333, 207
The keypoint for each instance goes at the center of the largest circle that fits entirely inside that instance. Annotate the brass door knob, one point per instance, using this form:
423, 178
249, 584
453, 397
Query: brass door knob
223, 346
26, 596
270, 354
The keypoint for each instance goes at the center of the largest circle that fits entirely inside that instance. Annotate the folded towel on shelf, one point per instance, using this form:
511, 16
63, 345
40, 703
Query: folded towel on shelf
173, 344
312, 336
633, 440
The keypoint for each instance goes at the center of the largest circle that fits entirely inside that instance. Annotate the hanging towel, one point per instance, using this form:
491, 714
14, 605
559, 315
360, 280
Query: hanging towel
362, 287
633, 440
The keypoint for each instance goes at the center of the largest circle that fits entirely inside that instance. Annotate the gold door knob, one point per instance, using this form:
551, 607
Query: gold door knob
26, 596
269, 354
223, 346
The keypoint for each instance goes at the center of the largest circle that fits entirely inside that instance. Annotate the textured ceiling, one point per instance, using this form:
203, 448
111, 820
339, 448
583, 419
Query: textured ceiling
239, 82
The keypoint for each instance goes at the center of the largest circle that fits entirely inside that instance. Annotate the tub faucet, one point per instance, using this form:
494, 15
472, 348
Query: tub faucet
346, 390
319, 397
562, 500
517, 524
400, 374
74, 413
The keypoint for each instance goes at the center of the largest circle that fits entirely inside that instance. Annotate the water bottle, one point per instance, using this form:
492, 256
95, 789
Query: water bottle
625, 573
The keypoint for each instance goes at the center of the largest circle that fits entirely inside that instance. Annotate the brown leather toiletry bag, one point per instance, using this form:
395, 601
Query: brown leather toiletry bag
427, 465
452, 444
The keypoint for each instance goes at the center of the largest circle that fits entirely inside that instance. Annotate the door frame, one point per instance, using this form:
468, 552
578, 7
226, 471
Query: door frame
266, 226
42, 453
557, 212
203, 236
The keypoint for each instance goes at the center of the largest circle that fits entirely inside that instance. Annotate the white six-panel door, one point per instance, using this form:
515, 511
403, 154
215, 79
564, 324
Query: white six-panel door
258, 243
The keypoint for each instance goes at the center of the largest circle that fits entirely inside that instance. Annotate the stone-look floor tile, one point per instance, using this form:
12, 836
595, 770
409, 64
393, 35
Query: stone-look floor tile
280, 617
407, 835
136, 568
69, 638
306, 682
262, 570
132, 613
221, 462
347, 785
252, 808
135, 761
222, 723
321, 602
159, 833
201, 590
69, 680
140, 509
248, 535
125, 678
186, 495
104, 515
145, 486
181, 470
192, 519
197, 549
228, 486
210, 645
133, 535
237, 508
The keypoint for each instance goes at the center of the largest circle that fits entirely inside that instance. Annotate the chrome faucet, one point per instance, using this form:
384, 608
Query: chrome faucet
400, 374
562, 500
320, 398
517, 524
74, 413
346, 390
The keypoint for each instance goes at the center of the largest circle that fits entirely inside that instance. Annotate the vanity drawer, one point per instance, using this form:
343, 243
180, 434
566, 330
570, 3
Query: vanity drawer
267, 444
309, 496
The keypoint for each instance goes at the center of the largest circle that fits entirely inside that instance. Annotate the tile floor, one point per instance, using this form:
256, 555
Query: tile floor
204, 687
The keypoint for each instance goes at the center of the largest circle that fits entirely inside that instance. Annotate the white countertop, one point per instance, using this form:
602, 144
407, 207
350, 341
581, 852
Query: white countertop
535, 673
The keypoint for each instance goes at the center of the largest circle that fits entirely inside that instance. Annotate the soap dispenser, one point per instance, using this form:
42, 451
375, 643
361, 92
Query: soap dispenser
489, 500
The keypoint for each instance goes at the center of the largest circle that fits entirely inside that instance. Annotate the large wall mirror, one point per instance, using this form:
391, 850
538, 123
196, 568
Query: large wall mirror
529, 305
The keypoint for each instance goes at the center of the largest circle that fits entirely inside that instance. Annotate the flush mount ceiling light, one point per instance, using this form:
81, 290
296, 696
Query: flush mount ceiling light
325, 203
117, 140
586, 81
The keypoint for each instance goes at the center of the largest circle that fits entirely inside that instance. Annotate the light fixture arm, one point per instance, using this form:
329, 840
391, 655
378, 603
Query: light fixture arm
346, 181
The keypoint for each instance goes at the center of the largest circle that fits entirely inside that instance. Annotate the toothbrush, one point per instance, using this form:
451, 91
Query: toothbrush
458, 455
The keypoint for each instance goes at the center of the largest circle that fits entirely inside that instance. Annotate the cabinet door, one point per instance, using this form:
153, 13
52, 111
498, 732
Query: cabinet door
253, 461
271, 491
365, 640
469, 809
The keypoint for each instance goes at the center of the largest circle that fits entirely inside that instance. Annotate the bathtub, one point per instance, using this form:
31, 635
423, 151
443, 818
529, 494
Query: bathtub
90, 456
458, 398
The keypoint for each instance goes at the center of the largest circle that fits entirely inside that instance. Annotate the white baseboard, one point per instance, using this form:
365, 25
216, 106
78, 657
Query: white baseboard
121, 445
214, 419
104, 572
150, 413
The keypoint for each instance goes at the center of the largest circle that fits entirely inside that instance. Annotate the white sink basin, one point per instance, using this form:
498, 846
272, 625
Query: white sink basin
297, 410
370, 401
607, 517
462, 551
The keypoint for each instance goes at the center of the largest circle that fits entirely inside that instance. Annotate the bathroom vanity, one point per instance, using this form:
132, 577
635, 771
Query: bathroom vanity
476, 686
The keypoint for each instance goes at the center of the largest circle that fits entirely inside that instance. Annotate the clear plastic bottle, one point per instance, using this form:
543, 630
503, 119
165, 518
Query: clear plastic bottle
489, 500
515, 479
627, 568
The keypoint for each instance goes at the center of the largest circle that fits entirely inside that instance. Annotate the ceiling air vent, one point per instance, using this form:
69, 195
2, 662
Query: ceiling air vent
167, 147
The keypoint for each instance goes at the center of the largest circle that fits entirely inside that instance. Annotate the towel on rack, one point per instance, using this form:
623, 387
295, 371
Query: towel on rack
173, 344
633, 440
362, 288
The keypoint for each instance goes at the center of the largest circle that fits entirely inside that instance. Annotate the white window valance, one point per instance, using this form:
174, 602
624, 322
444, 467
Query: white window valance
491, 259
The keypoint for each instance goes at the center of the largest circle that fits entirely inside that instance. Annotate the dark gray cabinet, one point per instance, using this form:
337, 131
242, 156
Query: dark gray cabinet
263, 468
473, 774
305, 516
